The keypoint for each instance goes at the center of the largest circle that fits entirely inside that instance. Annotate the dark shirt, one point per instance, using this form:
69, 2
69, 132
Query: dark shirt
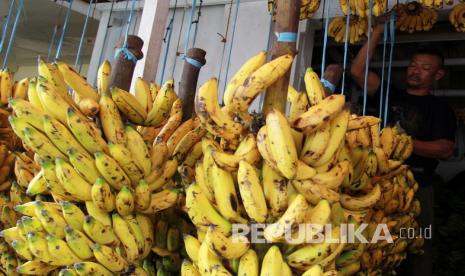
425, 118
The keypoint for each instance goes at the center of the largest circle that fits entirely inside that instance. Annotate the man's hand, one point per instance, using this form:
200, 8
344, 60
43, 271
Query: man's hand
438, 149
378, 22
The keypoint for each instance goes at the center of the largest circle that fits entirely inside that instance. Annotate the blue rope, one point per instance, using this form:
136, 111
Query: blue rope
197, 23
5, 24
84, 29
52, 42
325, 39
63, 31
128, 54
381, 96
231, 44
367, 61
125, 8
346, 48
13, 32
168, 43
392, 34
191, 18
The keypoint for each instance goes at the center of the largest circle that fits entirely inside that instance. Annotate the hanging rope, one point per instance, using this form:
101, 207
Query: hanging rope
126, 17
346, 48
6, 24
223, 40
326, 10
167, 40
367, 61
56, 27
13, 32
128, 54
63, 31
391, 53
196, 22
106, 32
381, 96
188, 34
179, 41
84, 29
231, 44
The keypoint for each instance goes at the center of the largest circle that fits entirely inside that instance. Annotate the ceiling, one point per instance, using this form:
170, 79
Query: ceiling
35, 30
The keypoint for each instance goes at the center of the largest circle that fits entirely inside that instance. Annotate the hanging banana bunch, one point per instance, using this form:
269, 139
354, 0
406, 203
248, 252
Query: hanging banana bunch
307, 8
457, 17
361, 8
438, 4
358, 29
413, 17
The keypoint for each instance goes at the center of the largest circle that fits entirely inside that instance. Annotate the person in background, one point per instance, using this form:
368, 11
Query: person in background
331, 78
429, 120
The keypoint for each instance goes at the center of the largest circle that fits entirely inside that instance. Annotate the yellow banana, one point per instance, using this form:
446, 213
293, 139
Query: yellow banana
334, 177
142, 195
187, 142
84, 165
52, 220
52, 101
35, 267
29, 112
129, 106
38, 246
315, 144
162, 104
98, 231
72, 182
361, 202
61, 137
251, 192
138, 149
110, 118
362, 122
169, 169
189, 269
78, 242
60, 251
77, 82
102, 195
242, 74
179, 133
314, 270
313, 87
124, 201
226, 247
249, 264
21, 248
109, 258
32, 95
127, 239
72, 215
124, 158
41, 144
6, 86
111, 171
272, 262
209, 263
171, 124
142, 94
162, 200
91, 268
37, 185
146, 225
274, 189
192, 246
103, 77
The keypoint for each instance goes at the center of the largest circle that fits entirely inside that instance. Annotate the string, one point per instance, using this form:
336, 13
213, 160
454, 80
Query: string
196, 22
367, 60
126, 17
391, 53
84, 29
106, 33
55, 31
179, 41
231, 44
6, 24
346, 48
325, 38
383, 70
223, 40
124, 50
13, 32
168, 33
189, 29
63, 31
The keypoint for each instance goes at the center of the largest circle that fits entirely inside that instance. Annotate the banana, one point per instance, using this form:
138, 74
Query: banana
40, 144
275, 190
78, 242
98, 214
109, 258
272, 262
18, 124
142, 195
127, 239
251, 192
60, 251
110, 118
161, 201
362, 202
201, 211
334, 177
167, 172
37, 185
103, 77
142, 94
32, 95
362, 122
124, 201
52, 221
189, 269
129, 106
259, 81
77, 82
313, 87
243, 74
309, 255
10, 234
72, 182
249, 264
52, 101
171, 124
102, 195
72, 215
298, 102
20, 89
315, 144
314, 270
39, 248
89, 107
139, 150
314, 192
111, 171
67, 272
84, 132
21, 248
351, 256
162, 104
187, 142
91, 268
84, 165
283, 147
146, 227
6, 86
137, 231
29, 112
35, 267
227, 247
60, 136
124, 158
179, 133
192, 246
99, 232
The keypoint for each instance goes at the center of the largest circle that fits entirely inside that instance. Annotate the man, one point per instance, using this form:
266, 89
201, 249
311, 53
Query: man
331, 78
430, 121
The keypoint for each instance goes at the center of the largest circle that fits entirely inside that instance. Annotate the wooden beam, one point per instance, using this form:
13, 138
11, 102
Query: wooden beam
151, 30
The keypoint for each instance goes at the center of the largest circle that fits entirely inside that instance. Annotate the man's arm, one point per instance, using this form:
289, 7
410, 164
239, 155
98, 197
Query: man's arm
438, 149
357, 69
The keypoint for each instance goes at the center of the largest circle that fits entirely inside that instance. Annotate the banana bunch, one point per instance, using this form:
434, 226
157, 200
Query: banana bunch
457, 17
413, 17
307, 8
358, 29
11, 89
438, 4
362, 7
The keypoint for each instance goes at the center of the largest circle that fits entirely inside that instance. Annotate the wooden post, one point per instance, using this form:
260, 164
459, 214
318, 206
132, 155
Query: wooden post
188, 83
122, 67
287, 21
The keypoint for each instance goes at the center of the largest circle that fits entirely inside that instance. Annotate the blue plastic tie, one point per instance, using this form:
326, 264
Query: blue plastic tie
286, 37
13, 32
328, 84
124, 50
367, 61
5, 24
127, 54
63, 31
325, 39
392, 34
346, 48
193, 62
